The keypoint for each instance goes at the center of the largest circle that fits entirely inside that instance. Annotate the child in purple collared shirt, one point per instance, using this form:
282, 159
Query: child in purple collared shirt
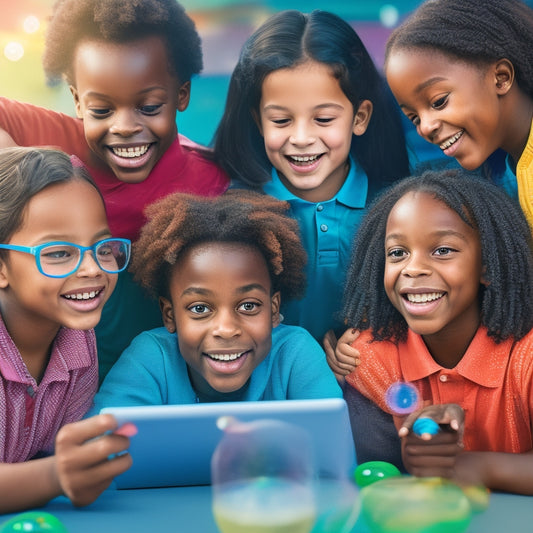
51, 296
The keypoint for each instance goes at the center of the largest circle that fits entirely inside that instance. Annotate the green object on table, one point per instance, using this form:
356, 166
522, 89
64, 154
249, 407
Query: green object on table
372, 471
415, 505
33, 522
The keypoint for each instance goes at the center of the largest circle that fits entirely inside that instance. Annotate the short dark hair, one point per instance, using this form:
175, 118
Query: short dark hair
181, 221
286, 40
506, 302
121, 21
476, 31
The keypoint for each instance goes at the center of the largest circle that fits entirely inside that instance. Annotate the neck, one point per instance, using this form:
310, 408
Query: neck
519, 115
449, 345
33, 340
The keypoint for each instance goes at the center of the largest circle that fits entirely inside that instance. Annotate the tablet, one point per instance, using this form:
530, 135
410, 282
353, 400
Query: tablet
174, 443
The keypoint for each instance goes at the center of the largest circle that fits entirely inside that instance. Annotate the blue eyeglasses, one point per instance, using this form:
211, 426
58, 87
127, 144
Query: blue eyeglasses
61, 259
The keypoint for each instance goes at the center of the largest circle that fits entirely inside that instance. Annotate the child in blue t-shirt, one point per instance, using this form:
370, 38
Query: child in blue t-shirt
220, 267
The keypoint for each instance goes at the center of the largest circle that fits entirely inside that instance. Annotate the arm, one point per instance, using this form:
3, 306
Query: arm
342, 358
80, 469
25, 124
6, 140
443, 455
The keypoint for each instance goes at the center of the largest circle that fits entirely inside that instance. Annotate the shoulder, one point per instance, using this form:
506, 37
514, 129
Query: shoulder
155, 337
521, 351
366, 344
284, 336
201, 159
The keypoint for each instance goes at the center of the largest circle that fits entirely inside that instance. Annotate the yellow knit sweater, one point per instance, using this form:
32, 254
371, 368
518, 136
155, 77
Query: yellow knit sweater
524, 177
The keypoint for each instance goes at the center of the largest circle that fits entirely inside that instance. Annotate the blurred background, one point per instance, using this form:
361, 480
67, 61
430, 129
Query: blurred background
223, 25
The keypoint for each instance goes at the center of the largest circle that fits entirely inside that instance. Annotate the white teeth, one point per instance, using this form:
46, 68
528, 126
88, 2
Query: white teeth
451, 140
225, 356
424, 298
82, 295
304, 159
135, 151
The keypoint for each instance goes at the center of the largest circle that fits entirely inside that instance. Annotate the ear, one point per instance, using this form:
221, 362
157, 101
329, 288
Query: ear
275, 303
504, 75
362, 117
184, 95
167, 312
76, 97
4, 281
257, 120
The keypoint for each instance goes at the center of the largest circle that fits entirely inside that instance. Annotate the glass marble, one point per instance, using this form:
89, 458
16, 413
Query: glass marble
33, 522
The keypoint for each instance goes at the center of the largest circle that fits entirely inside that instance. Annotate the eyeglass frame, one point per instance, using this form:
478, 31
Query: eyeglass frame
36, 252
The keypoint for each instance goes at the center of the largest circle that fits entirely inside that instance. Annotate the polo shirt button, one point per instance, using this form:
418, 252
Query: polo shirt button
323, 227
319, 207
443, 378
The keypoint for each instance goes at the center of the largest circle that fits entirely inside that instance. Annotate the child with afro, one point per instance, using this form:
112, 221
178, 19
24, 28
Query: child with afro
220, 267
129, 67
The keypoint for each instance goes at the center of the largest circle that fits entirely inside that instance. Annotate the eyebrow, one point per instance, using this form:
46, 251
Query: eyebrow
320, 106
50, 237
424, 85
241, 290
442, 233
428, 83
143, 91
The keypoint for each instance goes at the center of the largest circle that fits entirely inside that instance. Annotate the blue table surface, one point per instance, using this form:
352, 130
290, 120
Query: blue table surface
188, 510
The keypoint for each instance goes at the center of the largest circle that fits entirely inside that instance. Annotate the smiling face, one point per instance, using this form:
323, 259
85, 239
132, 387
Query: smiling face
433, 268
127, 98
307, 123
453, 104
34, 304
223, 311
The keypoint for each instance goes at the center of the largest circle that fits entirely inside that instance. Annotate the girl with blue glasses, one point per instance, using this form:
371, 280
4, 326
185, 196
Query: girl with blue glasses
49, 304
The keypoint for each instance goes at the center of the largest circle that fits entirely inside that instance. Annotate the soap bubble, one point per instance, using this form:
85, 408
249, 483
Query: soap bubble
264, 478
402, 398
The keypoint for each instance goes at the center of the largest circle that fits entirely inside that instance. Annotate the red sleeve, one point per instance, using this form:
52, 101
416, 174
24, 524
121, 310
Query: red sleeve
31, 125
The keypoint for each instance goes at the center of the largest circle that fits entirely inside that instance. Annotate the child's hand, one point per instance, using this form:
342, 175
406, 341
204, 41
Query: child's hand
341, 357
433, 455
83, 464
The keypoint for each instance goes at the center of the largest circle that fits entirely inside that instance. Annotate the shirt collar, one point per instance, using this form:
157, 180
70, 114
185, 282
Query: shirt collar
483, 363
353, 192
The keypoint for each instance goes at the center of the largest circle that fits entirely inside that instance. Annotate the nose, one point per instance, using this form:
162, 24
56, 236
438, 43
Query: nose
225, 324
416, 266
301, 134
125, 123
428, 126
88, 267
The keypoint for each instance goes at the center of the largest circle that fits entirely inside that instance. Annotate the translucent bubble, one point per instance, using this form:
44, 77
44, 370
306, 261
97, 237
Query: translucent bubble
264, 479
402, 398
415, 505
389, 15
13, 51
31, 24
262, 476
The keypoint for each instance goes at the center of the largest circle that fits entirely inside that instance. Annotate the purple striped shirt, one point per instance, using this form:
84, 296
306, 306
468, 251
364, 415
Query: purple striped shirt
30, 413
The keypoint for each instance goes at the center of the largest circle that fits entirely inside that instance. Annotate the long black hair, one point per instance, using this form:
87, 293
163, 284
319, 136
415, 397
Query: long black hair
289, 39
506, 302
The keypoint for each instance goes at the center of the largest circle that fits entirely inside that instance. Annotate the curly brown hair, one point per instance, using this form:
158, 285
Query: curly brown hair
180, 221
121, 21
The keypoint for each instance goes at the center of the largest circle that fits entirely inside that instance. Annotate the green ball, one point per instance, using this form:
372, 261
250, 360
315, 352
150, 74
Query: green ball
33, 522
372, 471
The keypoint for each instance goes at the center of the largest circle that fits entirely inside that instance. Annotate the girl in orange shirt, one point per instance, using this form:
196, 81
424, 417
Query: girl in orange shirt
443, 297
